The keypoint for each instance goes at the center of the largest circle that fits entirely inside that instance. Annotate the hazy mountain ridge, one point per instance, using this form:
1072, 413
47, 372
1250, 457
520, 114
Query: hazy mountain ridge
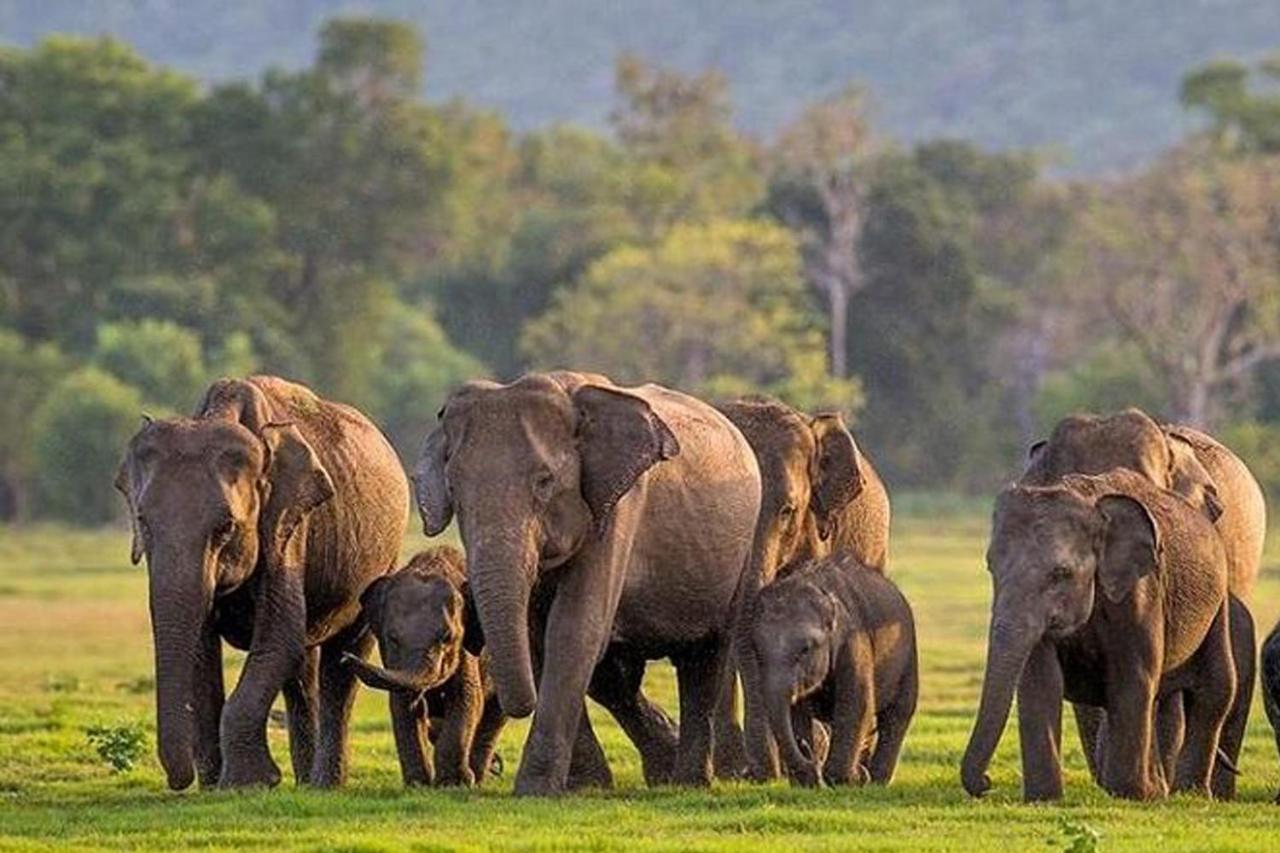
1092, 80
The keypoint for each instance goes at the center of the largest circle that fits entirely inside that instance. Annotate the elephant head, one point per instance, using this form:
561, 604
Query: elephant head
793, 635
209, 500
423, 620
1130, 439
1053, 548
532, 470
810, 471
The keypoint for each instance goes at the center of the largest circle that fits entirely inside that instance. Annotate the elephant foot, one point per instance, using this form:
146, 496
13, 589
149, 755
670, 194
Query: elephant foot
730, 758
260, 772
462, 779
856, 777
589, 777
806, 776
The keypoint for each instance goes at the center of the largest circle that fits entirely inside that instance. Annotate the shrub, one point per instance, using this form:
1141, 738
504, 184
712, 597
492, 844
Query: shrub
158, 357
80, 432
119, 746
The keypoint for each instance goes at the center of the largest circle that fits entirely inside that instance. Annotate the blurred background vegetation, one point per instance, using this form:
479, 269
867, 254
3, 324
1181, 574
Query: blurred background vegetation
327, 221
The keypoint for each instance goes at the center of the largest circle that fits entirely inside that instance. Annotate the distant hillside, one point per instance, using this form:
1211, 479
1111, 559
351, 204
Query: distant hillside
1094, 80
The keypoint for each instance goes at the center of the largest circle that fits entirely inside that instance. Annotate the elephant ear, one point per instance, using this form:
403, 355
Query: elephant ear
431, 486
837, 475
373, 599
472, 630
126, 483
1130, 545
297, 484
619, 437
1189, 478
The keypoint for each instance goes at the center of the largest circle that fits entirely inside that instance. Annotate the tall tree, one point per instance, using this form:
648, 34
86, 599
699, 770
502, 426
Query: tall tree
1186, 260
1244, 117
680, 126
821, 193
351, 165
717, 309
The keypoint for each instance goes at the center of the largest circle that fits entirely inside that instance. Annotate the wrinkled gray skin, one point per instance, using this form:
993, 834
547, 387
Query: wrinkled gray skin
261, 517
433, 670
838, 639
821, 495
602, 525
1111, 593
1201, 469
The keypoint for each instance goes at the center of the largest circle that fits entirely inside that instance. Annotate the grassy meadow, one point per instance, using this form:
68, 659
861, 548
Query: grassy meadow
75, 652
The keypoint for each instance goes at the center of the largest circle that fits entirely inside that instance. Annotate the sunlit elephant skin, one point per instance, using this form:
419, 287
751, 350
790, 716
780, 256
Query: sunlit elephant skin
432, 669
820, 495
602, 525
1209, 475
261, 518
1109, 592
839, 638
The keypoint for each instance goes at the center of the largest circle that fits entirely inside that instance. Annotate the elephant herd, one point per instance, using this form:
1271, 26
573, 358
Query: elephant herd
747, 542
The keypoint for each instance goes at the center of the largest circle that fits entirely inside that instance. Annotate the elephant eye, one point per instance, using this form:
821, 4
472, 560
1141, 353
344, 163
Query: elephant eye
1061, 573
788, 510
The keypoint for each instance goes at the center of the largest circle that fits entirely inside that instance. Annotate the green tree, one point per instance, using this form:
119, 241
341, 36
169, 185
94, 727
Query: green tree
161, 359
27, 373
80, 431
697, 165
418, 369
716, 309
92, 159
1242, 115
350, 164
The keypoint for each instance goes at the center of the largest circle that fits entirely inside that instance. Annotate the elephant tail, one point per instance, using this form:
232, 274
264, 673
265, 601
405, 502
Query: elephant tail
1227, 763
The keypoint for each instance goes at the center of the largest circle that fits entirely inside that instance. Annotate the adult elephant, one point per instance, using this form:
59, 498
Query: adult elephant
1110, 592
262, 518
1201, 469
603, 523
821, 495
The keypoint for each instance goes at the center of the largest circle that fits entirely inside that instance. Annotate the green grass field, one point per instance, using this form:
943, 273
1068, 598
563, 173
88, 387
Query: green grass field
75, 652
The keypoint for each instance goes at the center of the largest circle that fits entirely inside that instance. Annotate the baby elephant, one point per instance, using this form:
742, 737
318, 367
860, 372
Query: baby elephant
836, 641
430, 642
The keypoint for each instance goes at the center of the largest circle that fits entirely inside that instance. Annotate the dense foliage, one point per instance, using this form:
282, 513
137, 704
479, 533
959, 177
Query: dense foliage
328, 224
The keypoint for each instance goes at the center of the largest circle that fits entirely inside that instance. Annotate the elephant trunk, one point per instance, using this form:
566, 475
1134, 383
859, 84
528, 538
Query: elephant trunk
1008, 648
180, 606
800, 766
499, 574
380, 678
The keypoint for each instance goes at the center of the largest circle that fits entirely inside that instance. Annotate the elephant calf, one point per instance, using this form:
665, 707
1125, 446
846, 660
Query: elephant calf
430, 643
836, 641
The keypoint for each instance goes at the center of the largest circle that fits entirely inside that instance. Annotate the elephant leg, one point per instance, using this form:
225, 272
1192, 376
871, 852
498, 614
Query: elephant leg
275, 655
485, 740
588, 767
1208, 704
577, 629
1244, 652
730, 749
301, 699
337, 695
1089, 722
891, 731
1171, 730
1125, 752
763, 763
616, 684
699, 674
453, 749
1040, 723
409, 724
210, 695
